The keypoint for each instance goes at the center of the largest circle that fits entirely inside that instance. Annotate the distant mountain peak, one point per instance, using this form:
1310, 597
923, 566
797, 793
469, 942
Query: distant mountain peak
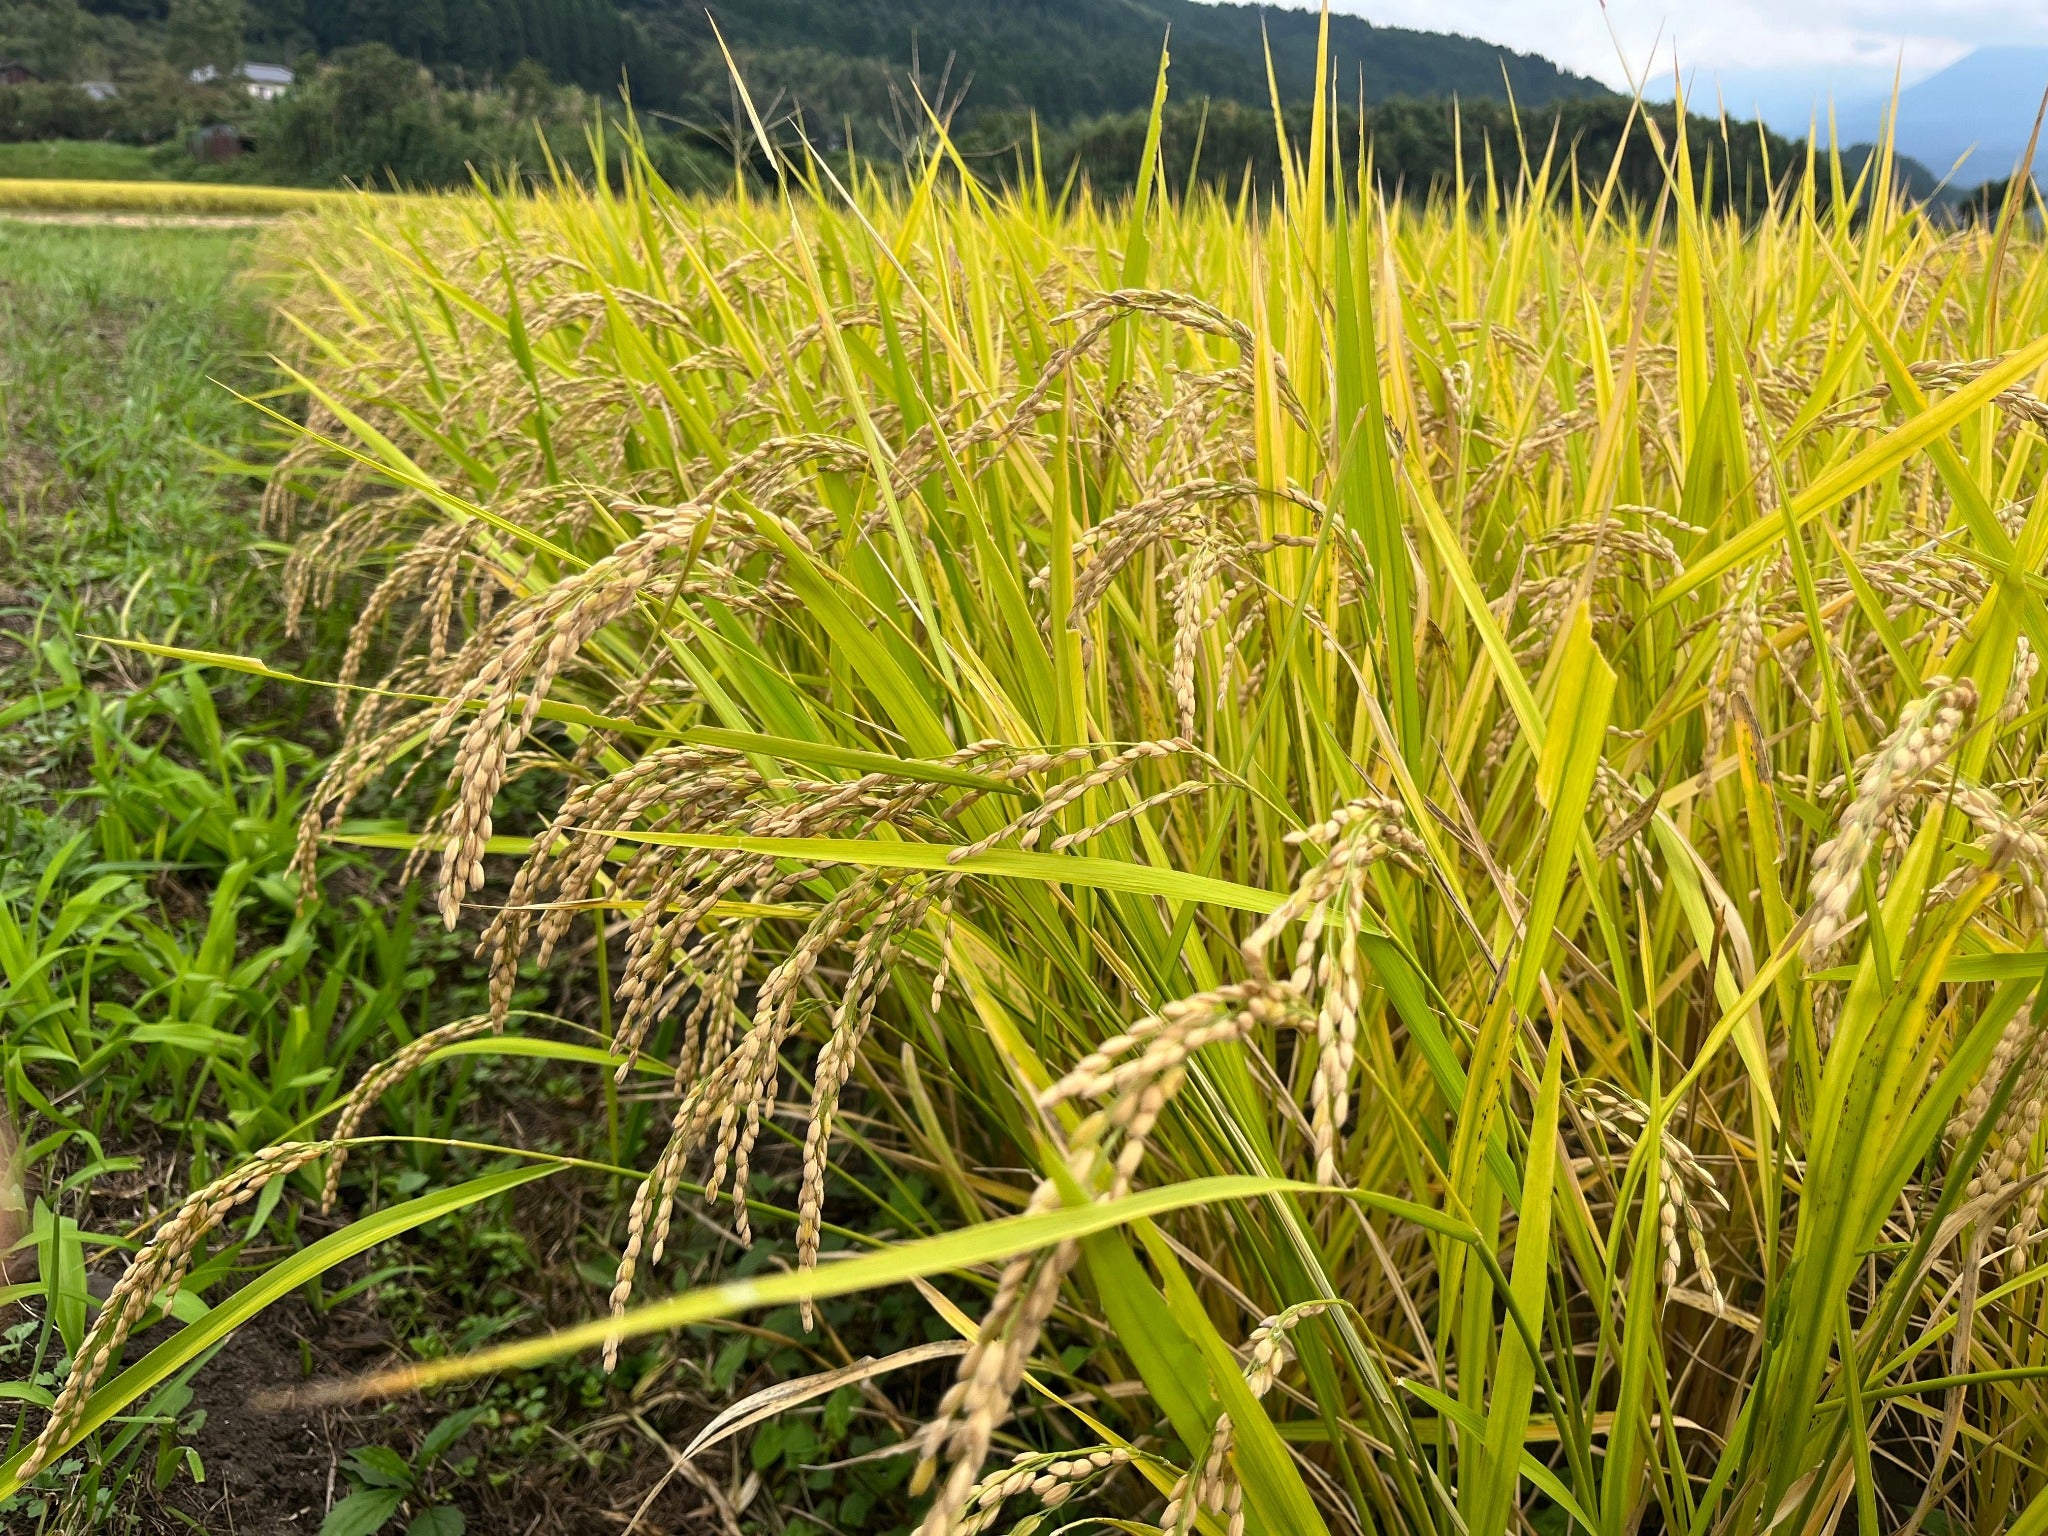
1979, 110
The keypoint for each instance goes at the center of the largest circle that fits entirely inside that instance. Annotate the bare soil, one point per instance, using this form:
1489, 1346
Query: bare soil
267, 1473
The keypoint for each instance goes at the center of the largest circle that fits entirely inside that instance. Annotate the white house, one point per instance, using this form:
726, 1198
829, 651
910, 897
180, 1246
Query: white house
265, 82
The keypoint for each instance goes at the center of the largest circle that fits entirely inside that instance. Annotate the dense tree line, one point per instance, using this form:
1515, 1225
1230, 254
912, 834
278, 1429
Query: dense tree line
1415, 148
365, 115
156, 108
590, 43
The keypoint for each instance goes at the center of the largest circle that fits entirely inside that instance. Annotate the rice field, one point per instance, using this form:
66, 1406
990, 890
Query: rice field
52, 195
1396, 850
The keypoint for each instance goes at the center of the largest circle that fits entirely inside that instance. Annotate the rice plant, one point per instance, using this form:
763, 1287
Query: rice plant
1424, 818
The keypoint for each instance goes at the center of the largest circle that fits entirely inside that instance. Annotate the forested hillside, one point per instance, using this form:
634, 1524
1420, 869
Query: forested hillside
840, 63
1072, 59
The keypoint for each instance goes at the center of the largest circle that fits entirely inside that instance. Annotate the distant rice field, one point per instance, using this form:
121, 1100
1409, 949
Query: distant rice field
162, 197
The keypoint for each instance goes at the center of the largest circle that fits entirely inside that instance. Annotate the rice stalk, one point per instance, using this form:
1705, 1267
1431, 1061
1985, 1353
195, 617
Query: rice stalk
996, 592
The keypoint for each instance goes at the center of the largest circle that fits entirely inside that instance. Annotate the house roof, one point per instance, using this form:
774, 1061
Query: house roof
255, 74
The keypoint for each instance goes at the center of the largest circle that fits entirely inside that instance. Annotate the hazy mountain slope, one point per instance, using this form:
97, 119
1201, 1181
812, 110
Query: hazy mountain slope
1982, 105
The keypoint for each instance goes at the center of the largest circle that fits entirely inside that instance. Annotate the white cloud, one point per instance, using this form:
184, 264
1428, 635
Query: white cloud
1839, 44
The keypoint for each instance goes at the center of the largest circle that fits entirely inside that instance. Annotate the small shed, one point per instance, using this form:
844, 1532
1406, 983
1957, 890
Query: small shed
219, 142
14, 72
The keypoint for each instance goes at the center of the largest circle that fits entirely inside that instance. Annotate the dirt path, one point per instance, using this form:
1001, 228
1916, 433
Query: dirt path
121, 219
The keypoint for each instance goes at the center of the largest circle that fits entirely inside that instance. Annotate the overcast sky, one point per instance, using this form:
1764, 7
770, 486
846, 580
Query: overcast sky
1847, 44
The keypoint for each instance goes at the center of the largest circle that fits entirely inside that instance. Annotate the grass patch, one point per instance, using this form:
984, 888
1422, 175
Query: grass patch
108, 511
166, 1008
76, 160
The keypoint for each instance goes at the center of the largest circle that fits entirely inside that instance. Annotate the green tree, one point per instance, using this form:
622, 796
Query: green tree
528, 85
203, 32
47, 35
